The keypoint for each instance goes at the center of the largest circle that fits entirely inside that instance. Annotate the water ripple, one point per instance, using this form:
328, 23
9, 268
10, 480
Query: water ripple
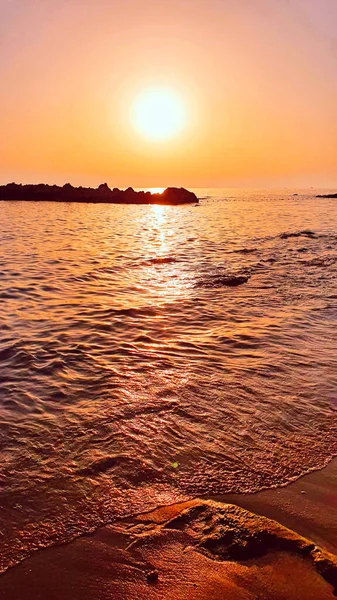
150, 354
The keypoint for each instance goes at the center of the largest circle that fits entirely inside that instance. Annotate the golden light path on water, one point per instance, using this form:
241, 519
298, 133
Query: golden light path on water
159, 244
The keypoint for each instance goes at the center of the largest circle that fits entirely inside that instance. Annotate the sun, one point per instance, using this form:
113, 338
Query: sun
159, 113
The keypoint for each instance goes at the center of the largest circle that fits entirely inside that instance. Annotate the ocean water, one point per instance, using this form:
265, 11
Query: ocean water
133, 375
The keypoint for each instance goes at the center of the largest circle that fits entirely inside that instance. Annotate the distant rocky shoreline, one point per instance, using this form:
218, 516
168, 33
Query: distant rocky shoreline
102, 194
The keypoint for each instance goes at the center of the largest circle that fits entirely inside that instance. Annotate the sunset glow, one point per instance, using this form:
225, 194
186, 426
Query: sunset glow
172, 93
168, 218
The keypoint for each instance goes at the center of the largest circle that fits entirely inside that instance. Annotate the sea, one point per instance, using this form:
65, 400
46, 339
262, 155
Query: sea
152, 354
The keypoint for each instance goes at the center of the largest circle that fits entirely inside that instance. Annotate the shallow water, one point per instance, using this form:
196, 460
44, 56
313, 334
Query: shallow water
133, 375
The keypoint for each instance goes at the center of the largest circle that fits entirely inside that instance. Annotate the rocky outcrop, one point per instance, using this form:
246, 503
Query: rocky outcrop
174, 195
327, 196
102, 194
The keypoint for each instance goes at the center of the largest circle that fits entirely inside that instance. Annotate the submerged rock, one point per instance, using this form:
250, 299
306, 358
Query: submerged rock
224, 280
305, 233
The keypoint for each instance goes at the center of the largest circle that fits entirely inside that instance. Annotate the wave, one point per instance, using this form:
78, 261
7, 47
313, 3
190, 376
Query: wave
131, 377
134, 470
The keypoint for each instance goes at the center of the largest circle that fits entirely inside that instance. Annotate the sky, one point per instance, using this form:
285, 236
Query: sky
257, 78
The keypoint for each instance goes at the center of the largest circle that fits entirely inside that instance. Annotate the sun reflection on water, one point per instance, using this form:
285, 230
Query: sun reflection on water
163, 271
159, 215
161, 233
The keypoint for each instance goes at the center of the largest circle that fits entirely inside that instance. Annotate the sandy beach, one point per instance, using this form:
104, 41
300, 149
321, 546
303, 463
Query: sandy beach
308, 505
168, 300
199, 550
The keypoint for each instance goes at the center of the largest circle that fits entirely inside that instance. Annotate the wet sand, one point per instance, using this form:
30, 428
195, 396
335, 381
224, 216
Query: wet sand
199, 550
308, 506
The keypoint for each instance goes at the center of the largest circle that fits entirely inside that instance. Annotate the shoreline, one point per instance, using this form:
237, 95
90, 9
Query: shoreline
152, 556
307, 505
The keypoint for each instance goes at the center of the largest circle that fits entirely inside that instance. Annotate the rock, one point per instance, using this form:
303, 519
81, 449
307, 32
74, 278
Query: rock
152, 576
68, 193
223, 280
327, 196
104, 188
176, 196
305, 232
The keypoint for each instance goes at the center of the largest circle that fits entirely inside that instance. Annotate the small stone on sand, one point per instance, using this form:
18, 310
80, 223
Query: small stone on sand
152, 576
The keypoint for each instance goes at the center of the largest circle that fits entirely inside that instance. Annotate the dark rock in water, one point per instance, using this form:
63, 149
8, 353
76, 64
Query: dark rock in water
176, 196
233, 281
306, 233
327, 196
103, 194
161, 260
224, 280
245, 250
104, 188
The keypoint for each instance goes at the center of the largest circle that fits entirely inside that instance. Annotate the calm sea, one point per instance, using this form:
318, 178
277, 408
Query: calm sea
133, 375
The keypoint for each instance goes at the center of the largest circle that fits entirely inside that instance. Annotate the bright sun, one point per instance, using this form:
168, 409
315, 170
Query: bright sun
158, 113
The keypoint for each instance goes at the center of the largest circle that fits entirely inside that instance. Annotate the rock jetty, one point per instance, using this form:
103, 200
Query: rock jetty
102, 194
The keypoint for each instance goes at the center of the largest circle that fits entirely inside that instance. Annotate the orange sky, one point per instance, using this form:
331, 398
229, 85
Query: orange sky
258, 78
